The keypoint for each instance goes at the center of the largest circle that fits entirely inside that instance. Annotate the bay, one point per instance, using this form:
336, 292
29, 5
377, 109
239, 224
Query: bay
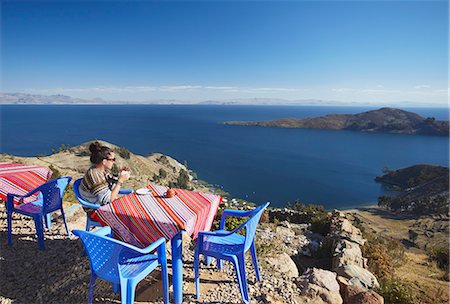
334, 168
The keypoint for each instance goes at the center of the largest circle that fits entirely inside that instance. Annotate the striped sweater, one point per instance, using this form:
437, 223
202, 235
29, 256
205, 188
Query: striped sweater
94, 187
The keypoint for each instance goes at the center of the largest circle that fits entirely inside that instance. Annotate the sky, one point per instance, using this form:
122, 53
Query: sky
367, 52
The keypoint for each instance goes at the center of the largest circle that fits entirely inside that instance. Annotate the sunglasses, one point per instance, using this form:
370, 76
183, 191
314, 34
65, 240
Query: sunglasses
111, 159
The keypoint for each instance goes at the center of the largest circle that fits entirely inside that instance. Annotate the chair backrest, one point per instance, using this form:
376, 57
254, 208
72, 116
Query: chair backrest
251, 224
104, 254
52, 193
76, 190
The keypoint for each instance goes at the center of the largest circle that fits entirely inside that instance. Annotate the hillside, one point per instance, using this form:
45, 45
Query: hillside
385, 120
74, 161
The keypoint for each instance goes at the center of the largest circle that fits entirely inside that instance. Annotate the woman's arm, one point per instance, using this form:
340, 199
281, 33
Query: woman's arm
123, 176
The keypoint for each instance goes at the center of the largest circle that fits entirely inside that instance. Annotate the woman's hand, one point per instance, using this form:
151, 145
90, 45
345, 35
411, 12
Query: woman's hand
124, 175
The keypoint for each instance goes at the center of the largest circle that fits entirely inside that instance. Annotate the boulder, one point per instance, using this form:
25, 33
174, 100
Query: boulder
318, 286
358, 276
283, 264
347, 253
357, 295
283, 232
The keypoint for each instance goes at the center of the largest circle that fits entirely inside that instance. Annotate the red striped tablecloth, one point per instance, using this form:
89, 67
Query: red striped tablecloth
142, 219
21, 179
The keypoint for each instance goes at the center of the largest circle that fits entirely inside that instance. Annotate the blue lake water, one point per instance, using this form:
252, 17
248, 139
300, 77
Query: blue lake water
334, 168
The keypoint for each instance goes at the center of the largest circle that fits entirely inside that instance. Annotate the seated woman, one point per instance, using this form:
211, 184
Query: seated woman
96, 187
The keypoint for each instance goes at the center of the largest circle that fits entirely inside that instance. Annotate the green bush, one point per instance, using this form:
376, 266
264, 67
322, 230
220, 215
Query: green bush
55, 172
62, 148
124, 153
440, 254
183, 180
320, 220
162, 173
395, 291
163, 159
69, 196
231, 222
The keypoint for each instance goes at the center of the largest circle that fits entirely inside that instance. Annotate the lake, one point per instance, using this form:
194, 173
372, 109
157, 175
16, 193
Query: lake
333, 168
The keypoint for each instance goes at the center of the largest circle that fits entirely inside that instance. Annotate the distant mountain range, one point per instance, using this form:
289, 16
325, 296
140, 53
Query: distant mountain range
24, 98
386, 120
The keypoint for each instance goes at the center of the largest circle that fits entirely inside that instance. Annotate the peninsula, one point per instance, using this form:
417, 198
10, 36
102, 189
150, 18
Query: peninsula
385, 120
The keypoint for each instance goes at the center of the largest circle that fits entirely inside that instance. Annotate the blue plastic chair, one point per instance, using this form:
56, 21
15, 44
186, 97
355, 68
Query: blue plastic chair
231, 246
49, 200
90, 222
122, 264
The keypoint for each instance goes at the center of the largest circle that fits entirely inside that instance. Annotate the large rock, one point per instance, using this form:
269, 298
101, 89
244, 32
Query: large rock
318, 286
283, 264
358, 276
347, 253
350, 232
357, 295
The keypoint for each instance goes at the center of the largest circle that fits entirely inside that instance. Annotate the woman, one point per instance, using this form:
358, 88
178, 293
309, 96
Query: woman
94, 187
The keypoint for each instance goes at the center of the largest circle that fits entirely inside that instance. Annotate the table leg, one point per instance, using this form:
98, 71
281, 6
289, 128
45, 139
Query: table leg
177, 267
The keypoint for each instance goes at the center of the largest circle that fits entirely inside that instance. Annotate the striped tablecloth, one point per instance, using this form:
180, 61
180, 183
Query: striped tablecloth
142, 219
21, 179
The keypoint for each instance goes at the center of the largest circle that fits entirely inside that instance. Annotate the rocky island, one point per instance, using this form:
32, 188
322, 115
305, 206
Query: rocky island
385, 120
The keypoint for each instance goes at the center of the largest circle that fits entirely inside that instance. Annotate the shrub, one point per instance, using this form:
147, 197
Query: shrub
412, 235
55, 172
183, 179
379, 261
383, 255
62, 148
439, 254
231, 222
124, 153
162, 173
163, 159
395, 291
69, 196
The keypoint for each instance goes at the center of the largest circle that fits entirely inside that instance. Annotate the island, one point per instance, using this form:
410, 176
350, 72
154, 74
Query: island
419, 189
385, 120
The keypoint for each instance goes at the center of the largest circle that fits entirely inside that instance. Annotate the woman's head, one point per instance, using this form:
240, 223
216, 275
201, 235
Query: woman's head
102, 155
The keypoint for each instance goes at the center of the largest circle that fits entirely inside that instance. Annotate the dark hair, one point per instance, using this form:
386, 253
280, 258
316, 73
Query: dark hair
99, 152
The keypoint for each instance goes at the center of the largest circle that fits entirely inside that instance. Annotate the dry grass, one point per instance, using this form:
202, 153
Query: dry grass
422, 275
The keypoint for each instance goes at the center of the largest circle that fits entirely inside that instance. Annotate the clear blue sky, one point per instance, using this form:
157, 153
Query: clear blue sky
365, 51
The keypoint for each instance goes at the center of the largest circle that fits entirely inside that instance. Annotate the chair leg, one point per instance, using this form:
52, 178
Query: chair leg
255, 261
165, 278
126, 291
197, 273
115, 287
9, 216
208, 260
38, 222
48, 220
219, 264
243, 271
131, 290
238, 276
87, 223
65, 223
241, 277
91, 287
